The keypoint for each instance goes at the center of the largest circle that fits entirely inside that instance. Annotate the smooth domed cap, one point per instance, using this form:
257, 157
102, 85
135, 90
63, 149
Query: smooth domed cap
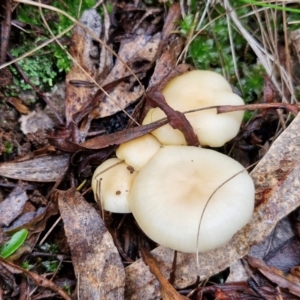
169, 194
111, 183
193, 90
137, 152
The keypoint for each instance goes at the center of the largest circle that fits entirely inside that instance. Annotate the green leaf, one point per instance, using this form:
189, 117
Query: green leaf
15, 242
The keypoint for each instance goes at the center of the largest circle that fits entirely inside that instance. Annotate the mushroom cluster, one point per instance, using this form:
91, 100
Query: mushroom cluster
194, 90
183, 197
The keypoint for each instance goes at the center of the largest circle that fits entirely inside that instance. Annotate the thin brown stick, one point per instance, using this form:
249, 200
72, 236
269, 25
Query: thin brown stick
39, 280
293, 108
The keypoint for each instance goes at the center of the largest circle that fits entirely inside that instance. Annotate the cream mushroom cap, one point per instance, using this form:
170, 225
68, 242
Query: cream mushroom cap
111, 184
137, 152
193, 90
169, 195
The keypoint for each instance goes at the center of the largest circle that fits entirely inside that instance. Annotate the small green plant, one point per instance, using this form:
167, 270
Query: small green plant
15, 242
50, 266
58, 58
50, 248
212, 50
26, 265
67, 288
8, 147
38, 68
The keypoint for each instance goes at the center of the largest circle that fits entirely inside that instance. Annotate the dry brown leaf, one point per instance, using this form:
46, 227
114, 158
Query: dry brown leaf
97, 264
34, 221
13, 205
18, 105
277, 183
139, 48
170, 46
288, 281
166, 62
84, 51
272, 249
119, 137
167, 290
40, 169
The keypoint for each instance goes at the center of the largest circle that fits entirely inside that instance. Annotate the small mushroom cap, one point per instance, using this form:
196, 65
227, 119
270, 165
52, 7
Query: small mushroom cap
193, 90
137, 152
169, 195
111, 183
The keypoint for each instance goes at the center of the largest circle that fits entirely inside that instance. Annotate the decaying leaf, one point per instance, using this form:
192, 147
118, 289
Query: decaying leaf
169, 48
288, 281
277, 183
35, 221
136, 49
96, 261
13, 205
85, 51
40, 169
123, 136
103, 141
18, 105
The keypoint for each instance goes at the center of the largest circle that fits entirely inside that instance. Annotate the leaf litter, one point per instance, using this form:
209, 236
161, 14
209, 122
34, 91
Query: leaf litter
95, 258
274, 176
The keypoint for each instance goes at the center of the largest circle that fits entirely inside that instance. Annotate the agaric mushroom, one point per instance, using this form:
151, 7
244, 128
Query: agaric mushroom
111, 183
171, 191
193, 90
137, 152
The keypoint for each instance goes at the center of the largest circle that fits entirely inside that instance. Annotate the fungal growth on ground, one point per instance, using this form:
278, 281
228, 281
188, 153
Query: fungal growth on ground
183, 197
111, 183
170, 193
194, 90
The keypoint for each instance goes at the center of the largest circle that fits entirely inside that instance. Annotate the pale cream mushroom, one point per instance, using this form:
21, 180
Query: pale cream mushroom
111, 184
193, 90
137, 152
171, 191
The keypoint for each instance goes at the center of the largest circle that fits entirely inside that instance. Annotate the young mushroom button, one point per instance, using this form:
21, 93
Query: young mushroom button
194, 90
137, 152
170, 193
111, 184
